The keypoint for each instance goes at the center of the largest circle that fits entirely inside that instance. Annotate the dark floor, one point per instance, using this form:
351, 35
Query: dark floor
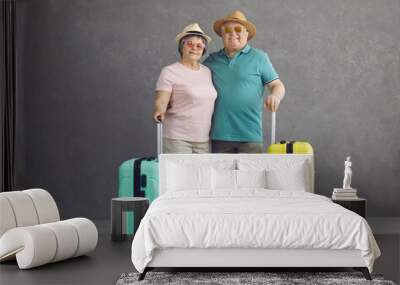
110, 260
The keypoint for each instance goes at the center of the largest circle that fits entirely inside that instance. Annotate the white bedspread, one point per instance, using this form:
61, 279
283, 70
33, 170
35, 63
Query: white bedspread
251, 218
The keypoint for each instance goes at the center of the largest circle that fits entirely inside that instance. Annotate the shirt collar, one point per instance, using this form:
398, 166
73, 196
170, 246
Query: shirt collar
246, 49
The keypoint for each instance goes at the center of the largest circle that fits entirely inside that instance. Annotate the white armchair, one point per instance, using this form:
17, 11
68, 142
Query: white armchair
31, 230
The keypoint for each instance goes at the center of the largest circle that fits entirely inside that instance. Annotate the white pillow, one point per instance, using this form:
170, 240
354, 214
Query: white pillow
251, 178
182, 177
283, 173
223, 179
293, 179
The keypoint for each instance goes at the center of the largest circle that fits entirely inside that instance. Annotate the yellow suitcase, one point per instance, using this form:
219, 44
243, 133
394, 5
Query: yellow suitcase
291, 147
298, 147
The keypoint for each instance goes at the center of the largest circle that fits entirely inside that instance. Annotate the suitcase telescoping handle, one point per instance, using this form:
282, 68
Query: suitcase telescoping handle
159, 138
273, 127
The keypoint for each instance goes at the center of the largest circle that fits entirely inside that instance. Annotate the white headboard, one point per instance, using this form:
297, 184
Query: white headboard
212, 159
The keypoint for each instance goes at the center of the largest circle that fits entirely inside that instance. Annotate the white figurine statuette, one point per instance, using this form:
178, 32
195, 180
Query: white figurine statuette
347, 174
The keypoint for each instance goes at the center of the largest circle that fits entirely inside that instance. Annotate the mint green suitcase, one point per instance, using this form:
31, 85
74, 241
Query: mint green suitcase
138, 177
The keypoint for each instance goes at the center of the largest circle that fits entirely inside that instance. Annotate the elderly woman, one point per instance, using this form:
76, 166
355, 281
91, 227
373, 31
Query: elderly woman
185, 96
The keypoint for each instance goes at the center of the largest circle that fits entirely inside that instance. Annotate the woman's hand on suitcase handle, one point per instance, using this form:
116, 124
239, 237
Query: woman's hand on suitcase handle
272, 102
158, 116
161, 105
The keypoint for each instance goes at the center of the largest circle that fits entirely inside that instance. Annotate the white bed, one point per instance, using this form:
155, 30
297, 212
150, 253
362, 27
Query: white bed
202, 220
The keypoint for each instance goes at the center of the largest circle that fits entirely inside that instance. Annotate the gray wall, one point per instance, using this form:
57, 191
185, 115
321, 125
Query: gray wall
87, 71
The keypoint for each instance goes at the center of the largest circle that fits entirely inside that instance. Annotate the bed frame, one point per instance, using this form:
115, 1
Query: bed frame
242, 259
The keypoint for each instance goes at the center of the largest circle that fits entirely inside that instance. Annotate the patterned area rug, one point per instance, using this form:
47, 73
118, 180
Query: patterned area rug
270, 278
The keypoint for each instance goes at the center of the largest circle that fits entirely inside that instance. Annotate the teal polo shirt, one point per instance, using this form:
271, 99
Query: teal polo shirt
239, 82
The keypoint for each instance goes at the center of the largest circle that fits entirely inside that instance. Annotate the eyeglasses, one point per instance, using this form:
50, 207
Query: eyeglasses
229, 30
190, 44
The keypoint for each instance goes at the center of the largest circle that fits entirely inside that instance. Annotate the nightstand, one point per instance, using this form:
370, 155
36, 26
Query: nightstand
138, 205
358, 205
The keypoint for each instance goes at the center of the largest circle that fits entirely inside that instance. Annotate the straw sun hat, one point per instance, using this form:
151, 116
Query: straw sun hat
239, 17
192, 29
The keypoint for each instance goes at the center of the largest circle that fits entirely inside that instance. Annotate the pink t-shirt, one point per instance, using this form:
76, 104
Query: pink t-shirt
191, 106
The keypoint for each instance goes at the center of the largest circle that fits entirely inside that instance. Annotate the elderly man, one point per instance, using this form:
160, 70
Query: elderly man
240, 74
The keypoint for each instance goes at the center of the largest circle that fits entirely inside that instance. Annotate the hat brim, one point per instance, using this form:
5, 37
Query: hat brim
249, 26
184, 34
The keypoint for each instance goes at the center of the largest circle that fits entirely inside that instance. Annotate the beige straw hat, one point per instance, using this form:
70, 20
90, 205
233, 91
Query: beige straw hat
239, 17
192, 29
